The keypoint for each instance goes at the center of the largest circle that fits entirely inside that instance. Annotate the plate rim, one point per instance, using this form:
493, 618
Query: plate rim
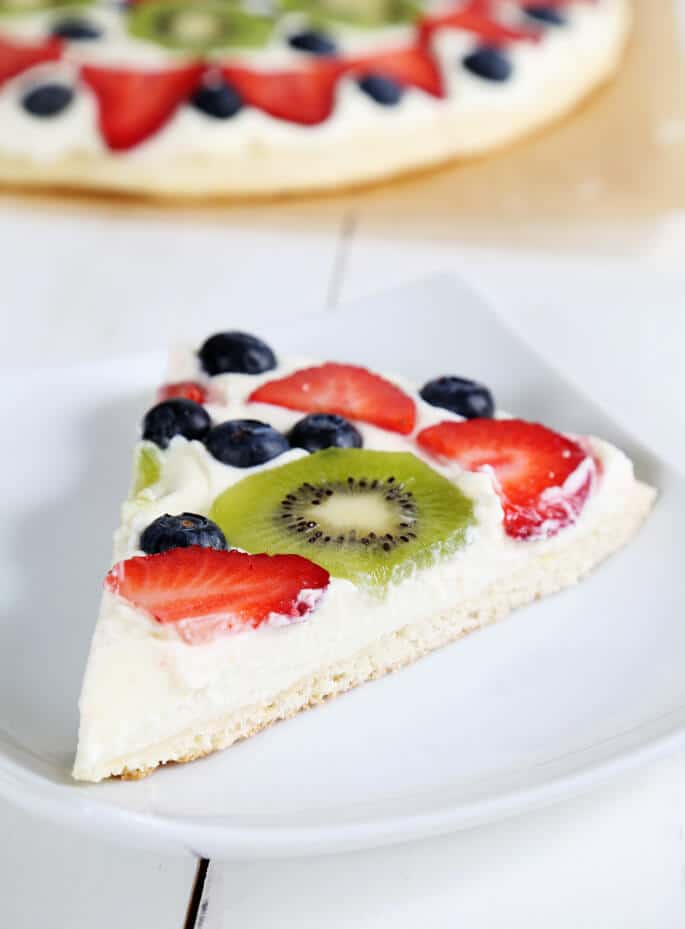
224, 841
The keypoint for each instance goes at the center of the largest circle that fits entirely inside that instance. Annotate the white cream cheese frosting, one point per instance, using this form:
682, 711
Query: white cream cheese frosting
170, 679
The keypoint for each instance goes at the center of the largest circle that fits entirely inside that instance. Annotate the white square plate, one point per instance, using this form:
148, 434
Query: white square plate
552, 701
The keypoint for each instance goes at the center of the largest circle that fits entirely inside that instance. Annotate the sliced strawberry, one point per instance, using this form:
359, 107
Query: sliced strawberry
17, 57
478, 17
204, 591
191, 390
543, 478
136, 104
304, 96
343, 389
410, 67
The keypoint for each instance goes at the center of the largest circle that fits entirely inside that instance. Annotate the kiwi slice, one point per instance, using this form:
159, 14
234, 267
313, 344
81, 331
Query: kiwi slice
146, 470
37, 6
372, 517
365, 13
200, 26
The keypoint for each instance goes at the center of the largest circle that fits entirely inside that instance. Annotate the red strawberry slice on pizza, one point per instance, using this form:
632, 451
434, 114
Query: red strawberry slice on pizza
16, 57
304, 95
203, 592
478, 17
134, 105
347, 390
190, 390
543, 478
410, 67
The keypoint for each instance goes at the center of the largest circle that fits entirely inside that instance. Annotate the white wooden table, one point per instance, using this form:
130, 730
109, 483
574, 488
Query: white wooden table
615, 858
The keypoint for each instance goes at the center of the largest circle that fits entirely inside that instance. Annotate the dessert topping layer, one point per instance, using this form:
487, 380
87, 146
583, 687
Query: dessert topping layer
211, 75
376, 482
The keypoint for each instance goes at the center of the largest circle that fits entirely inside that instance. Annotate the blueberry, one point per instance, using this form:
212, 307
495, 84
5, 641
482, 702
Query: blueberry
316, 43
219, 100
545, 14
47, 99
324, 430
236, 351
381, 89
167, 532
243, 443
76, 30
466, 398
175, 417
489, 63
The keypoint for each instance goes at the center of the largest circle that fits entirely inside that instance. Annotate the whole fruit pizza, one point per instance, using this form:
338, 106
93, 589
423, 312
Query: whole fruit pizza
246, 97
297, 527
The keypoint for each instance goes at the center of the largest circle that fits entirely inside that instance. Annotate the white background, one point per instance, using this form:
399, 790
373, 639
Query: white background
607, 308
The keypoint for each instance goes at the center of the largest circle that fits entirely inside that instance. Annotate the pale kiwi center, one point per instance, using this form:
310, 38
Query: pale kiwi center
379, 514
365, 513
195, 26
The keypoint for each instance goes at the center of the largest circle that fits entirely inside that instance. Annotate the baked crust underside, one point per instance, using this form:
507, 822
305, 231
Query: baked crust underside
546, 573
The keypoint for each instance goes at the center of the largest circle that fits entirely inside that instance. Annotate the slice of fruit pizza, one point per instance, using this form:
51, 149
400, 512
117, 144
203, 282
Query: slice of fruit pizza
295, 529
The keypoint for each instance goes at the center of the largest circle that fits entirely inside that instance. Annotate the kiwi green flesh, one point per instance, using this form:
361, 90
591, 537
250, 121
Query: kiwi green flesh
199, 27
367, 14
147, 469
371, 517
17, 7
